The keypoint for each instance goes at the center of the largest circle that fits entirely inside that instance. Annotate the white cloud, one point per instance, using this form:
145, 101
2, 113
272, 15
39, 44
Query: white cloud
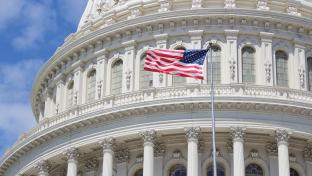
9, 10
40, 19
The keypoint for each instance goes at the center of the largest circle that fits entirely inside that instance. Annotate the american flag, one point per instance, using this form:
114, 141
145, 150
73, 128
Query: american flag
185, 63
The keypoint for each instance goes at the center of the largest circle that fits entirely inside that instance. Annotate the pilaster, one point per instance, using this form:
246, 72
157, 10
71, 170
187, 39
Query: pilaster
196, 43
265, 65
78, 84
298, 71
160, 79
231, 55
130, 53
101, 65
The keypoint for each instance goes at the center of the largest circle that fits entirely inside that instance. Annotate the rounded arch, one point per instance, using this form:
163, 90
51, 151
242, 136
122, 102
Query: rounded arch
297, 167
259, 162
220, 160
135, 168
70, 84
91, 71
173, 162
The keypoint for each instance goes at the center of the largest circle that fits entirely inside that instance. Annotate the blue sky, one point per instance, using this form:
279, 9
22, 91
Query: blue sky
30, 32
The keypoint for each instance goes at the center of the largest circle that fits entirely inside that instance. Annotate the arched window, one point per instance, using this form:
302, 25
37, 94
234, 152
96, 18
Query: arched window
177, 170
281, 68
116, 82
146, 77
70, 94
309, 63
178, 80
139, 172
248, 65
220, 171
254, 170
91, 80
293, 172
216, 60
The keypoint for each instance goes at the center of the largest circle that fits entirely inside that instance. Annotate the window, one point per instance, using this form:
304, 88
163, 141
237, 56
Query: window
216, 60
220, 170
254, 170
293, 172
309, 63
178, 80
116, 86
281, 68
146, 77
248, 65
91, 80
177, 170
70, 94
139, 172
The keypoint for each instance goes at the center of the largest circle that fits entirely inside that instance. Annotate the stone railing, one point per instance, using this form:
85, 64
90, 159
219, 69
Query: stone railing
171, 95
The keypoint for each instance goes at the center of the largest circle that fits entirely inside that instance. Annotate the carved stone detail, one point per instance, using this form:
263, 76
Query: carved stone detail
301, 77
136, 12
232, 69
281, 136
72, 154
192, 134
307, 152
99, 88
43, 166
177, 154
254, 154
122, 154
218, 153
262, 5
128, 79
229, 146
159, 149
272, 148
108, 144
268, 68
293, 10
148, 136
237, 133
164, 6
292, 158
139, 158
229, 4
91, 164
75, 99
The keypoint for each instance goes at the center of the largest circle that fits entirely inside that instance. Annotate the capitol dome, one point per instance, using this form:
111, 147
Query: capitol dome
99, 113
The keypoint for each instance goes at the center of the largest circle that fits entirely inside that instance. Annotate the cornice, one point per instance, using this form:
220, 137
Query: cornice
97, 35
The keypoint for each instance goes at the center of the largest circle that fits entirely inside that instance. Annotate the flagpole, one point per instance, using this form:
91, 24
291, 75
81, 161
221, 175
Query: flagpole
212, 113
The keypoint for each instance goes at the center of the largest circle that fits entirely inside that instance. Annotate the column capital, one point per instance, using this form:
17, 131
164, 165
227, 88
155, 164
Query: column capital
281, 136
107, 144
148, 136
307, 152
237, 133
43, 167
72, 154
192, 134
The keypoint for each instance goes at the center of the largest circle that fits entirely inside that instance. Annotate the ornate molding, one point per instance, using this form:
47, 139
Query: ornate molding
232, 63
254, 154
237, 133
268, 70
196, 4
72, 154
148, 136
192, 134
281, 136
228, 4
302, 81
262, 5
165, 5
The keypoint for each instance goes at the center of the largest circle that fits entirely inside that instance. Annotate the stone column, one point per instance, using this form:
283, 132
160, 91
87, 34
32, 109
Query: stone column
43, 168
307, 155
72, 155
108, 156
282, 137
238, 151
148, 161
271, 149
192, 135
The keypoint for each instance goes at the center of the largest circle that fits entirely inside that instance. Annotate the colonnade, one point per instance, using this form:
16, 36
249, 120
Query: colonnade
192, 136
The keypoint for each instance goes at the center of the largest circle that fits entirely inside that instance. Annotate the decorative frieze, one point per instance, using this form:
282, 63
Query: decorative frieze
262, 5
293, 10
192, 133
254, 154
301, 72
268, 70
134, 13
229, 4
